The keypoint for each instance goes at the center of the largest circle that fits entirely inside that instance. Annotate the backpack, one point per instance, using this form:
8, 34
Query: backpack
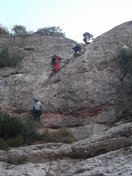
91, 36
54, 60
36, 106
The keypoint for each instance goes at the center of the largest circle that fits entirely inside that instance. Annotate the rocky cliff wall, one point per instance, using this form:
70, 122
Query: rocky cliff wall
85, 92
86, 88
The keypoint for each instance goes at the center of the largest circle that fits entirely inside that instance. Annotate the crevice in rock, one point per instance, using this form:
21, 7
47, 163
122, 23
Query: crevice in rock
12, 73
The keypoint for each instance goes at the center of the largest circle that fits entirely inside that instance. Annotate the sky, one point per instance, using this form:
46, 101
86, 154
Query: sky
74, 17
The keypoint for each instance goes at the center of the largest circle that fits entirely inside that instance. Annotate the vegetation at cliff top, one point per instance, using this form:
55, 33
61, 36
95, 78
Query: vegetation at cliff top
20, 30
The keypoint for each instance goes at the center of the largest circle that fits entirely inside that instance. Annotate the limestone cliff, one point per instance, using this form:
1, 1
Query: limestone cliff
86, 88
85, 95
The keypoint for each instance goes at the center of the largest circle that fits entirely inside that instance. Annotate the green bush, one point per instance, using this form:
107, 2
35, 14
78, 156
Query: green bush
8, 61
19, 30
3, 30
15, 142
15, 133
63, 135
3, 144
10, 127
54, 30
124, 60
16, 160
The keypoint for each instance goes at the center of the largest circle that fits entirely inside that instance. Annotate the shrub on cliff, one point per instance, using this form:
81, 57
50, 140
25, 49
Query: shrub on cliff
124, 60
19, 30
3, 30
14, 132
54, 30
8, 61
62, 135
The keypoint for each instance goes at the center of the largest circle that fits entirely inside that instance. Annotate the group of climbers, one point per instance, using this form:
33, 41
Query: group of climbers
87, 37
55, 60
77, 51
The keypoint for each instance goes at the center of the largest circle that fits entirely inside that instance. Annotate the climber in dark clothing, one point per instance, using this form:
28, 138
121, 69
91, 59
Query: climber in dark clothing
77, 49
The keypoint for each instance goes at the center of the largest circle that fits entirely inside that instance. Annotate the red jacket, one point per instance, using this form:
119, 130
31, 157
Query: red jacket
56, 66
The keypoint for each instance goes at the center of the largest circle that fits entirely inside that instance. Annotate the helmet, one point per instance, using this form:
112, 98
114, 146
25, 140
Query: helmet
36, 98
77, 45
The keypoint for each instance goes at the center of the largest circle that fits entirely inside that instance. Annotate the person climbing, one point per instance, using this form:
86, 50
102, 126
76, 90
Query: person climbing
87, 37
77, 49
36, 109
55, 64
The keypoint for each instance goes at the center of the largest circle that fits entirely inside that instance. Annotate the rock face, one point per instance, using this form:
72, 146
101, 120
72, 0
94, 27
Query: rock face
85, 96
87, 88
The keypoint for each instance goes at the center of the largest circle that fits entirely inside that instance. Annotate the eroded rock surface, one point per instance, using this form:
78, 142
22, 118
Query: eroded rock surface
86, 88
85, 96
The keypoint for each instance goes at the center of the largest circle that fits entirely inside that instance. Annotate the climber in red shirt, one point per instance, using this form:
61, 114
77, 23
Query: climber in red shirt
55, 64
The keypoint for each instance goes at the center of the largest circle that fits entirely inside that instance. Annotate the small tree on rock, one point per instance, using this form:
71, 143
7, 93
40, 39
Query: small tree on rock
3, 30
54, 30
124, 60
19, 30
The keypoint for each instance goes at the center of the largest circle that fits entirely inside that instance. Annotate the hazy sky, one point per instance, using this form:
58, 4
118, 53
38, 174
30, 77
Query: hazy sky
73, 16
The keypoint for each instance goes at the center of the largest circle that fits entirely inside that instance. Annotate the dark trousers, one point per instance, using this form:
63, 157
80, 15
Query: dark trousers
36, 115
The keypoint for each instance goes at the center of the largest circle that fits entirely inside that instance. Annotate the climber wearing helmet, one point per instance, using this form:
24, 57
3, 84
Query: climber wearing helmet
77, 49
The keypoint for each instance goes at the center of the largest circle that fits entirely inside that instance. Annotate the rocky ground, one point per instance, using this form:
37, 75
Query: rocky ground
101, 155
